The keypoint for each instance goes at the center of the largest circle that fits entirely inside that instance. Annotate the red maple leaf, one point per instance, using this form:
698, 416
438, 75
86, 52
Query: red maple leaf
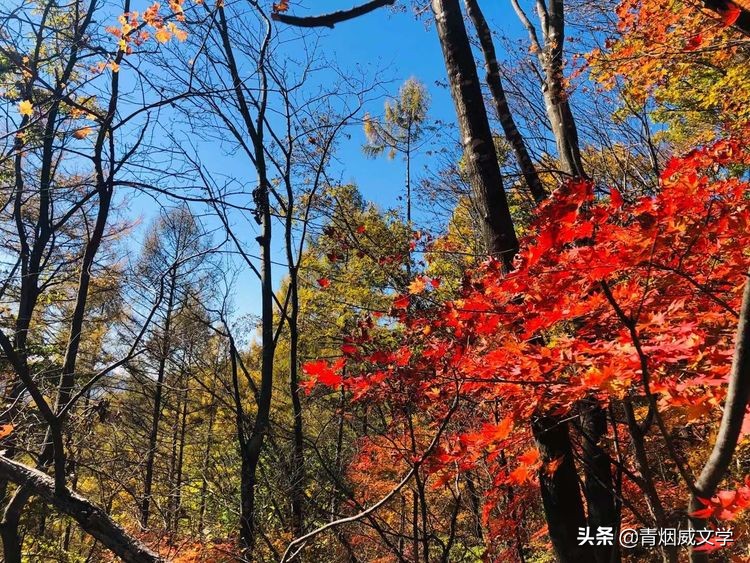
731, 14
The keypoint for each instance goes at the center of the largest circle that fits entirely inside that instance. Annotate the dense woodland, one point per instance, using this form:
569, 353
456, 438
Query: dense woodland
548, 330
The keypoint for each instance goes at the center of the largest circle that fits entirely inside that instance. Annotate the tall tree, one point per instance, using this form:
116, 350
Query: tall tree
173, 251
495, 83
401, 129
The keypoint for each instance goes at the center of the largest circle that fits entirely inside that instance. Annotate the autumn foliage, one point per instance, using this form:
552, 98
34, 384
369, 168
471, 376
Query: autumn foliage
543, 323
627, 301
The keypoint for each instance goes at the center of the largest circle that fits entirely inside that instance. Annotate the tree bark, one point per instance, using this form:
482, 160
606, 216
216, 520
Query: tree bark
476, 136
598, 487
555, 97
495, 83
209, 439
561, 495
550, 55
297, 473
735, 407
252, 447
91, 517
156, 414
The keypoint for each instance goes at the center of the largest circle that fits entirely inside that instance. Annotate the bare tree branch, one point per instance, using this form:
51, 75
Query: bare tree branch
331, 19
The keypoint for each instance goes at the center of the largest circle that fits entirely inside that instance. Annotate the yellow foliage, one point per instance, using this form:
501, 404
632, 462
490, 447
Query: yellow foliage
25, 108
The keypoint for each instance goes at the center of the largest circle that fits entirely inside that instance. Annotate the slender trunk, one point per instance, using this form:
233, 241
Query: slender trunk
476, 136
598, 486
339, 451
555, 97
297, 473
408, 201
12, 543
414, 527
177, 488
157, 407
495, 83
422, 498
73, 487
408, 175
254, 446
649, 488
207, 459
402, 524
476, 506
641, 462
173, 467
735, 405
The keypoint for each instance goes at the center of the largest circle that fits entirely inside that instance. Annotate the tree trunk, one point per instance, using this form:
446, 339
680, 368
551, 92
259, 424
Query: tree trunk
176, 481
735, 407
598, 487
297, 473
254, 446
156, 414
495, 83
12, 548
555, 97
476, 136
561, 495
207, 459
91, 517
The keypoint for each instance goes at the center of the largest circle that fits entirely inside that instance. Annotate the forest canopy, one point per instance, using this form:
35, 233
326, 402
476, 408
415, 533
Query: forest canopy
266, 298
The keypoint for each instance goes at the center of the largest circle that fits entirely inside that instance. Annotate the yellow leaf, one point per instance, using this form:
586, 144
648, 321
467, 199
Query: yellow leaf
25, 108
163, 35
180, 34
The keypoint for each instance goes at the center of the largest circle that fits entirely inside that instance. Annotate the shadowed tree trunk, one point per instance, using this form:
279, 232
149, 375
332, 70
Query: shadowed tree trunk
476, 136
598, 486
153, 436
561, 496
495, 83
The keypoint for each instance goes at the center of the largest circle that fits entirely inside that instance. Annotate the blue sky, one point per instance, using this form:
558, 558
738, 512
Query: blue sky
395, 44
406, 46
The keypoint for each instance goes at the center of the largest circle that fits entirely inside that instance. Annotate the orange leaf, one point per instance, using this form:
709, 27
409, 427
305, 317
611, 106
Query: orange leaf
417, 286
163, 35
82, 133
5, 430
